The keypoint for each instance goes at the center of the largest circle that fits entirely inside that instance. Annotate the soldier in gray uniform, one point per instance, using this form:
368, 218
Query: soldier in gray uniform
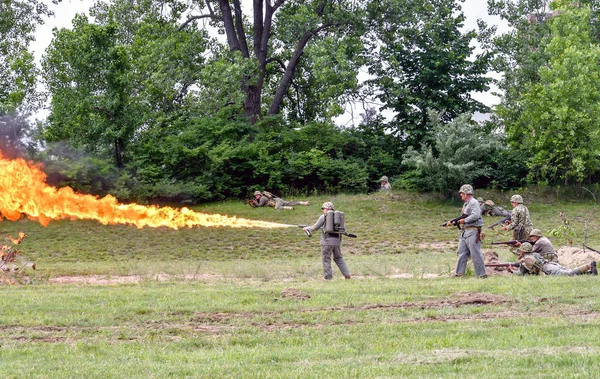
469, 243
385, 184
542, 246
520, 222
331, 245
534, 264
267, 199
488, 208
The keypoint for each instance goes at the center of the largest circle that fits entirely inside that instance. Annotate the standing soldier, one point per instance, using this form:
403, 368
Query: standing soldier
533, 264
520, 222
385, 184
469, 243
331, 245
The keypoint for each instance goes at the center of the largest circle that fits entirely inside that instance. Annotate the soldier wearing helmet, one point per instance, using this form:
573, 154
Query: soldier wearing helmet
533, 264
385, 184
542, 246
520, 221
489, 208
267, 199
469, 243
331, 244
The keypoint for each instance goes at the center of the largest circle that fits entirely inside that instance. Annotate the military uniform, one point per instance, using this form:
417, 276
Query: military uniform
267, 199
544, 248
331, 246
520, 222
469, 243
534, 264
385, 184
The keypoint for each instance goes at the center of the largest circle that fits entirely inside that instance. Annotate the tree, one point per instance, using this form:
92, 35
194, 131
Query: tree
18, 20
422, 61
277, 37
457, 155
113, 80
557, 120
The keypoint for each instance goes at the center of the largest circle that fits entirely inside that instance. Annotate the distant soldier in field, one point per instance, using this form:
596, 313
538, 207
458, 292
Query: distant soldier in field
469, 243
534, 264
331, 245
520, 222
267, 199
385, 184
541, 246
488, 208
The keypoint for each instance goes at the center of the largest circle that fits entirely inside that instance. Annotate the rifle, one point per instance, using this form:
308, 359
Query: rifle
512, 242
589, 248
455, 222
503, 221
507, 264
308, 233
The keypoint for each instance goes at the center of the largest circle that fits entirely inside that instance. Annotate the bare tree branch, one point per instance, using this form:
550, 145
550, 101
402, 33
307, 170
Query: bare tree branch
192, 18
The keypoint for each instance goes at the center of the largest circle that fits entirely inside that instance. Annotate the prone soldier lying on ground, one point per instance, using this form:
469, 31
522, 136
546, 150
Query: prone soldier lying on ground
488, 208
267, 199
534, 264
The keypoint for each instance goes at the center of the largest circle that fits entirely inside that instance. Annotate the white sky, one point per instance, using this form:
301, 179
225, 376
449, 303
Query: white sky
66, 10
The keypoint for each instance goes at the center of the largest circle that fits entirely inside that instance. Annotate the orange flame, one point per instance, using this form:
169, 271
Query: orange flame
23, 190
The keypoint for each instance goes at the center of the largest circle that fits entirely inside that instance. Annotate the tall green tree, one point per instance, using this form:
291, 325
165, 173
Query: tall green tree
109, 81
422, 60
18, 20
304, 51
557, 120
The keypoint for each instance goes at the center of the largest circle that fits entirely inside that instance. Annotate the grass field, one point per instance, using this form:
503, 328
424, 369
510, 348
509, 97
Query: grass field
121, 302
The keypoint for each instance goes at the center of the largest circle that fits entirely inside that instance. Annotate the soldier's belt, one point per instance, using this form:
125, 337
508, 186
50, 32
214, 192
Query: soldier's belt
471, 227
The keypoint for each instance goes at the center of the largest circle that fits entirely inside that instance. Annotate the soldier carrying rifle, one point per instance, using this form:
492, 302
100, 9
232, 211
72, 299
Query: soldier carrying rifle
469, 243
520, 222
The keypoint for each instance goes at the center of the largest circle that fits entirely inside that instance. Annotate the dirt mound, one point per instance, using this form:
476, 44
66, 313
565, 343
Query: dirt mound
572, 257
491, 257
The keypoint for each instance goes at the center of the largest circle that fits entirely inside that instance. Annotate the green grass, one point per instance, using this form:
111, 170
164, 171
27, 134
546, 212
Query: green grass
224, 309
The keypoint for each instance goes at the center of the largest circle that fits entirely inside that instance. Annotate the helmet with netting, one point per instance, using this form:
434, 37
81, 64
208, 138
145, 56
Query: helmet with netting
536, 232
327, 205
516, 199
467, 189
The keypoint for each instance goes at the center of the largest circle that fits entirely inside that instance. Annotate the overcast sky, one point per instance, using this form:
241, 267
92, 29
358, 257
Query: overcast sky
66, 10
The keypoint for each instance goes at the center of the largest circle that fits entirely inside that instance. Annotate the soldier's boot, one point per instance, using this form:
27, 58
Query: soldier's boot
594, 269
585, 269
304, 202
288, 208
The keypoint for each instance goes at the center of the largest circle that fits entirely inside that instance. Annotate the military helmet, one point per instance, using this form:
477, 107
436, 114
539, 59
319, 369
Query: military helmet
327, 205
525, 247
516, 199
480, 199
467, 189
536, 232
257, 193
384, 178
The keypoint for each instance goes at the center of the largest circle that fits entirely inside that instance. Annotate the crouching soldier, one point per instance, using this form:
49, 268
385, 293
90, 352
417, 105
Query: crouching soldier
267, 199
533, 264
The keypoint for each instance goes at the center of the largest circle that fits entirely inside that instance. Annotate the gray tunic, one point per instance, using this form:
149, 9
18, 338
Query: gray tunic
544, 247
327, 239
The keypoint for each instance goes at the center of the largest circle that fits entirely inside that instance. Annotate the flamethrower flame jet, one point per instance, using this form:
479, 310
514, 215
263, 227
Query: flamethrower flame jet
23, 190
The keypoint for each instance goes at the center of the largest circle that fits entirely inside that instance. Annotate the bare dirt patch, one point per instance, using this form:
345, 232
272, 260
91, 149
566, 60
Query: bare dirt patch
128, 279
572, 257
